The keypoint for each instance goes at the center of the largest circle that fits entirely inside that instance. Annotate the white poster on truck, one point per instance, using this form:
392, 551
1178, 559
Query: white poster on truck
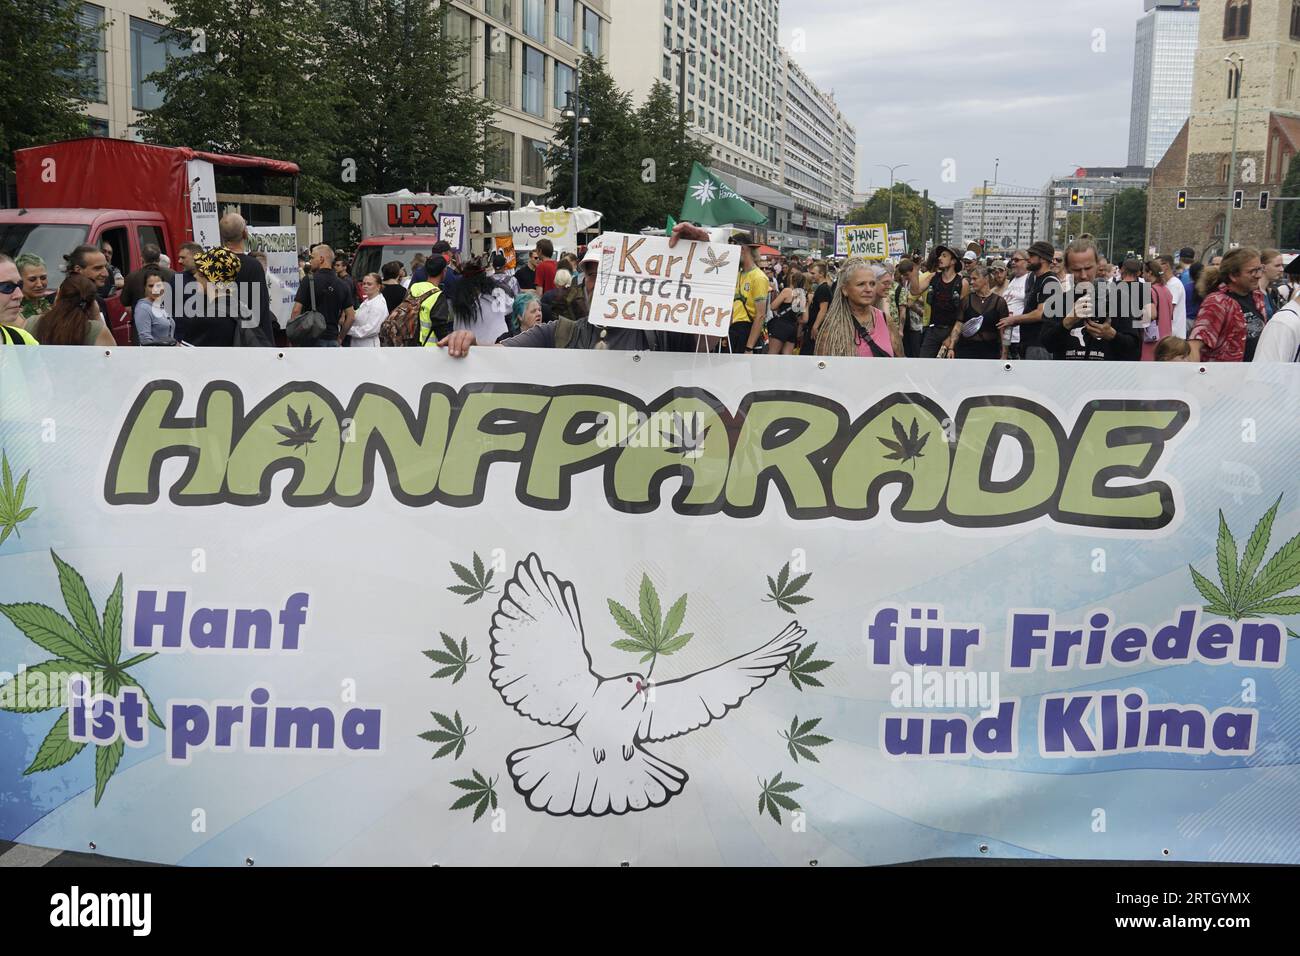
203, 203
280, 244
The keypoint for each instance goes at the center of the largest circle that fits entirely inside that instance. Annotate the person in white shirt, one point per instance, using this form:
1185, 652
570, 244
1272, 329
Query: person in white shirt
1014, 296
1280, 340
1179, 292
365, 329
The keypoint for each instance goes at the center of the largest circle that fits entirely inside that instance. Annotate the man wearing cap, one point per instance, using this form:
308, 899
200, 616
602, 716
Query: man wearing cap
435, 311
1040, 286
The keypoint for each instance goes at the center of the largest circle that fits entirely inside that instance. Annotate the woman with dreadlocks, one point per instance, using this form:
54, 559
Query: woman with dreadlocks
852, 324
479, 304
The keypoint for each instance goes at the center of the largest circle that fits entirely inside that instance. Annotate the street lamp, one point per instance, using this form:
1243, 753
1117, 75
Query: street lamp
891, 190
574, 110
680, 52
1238, 62
984, 199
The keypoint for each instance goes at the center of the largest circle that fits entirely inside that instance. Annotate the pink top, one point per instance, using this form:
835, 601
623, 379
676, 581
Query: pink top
879, 335
1164, 300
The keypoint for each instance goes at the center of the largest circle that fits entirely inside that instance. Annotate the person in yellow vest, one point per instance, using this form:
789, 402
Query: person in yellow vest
435, 311
11, 304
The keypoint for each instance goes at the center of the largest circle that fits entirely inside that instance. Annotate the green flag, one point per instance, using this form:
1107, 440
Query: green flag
711, 202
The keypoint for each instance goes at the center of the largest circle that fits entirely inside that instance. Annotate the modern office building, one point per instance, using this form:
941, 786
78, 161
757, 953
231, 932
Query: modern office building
732, 75
1163, 61
1007, 217
819, 159
523, 55
1258, 95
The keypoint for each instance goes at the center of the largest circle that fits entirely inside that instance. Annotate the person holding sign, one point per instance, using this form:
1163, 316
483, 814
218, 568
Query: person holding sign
853, 326
948, 290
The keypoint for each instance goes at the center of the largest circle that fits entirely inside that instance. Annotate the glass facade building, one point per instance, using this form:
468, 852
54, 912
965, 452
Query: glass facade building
1163, 62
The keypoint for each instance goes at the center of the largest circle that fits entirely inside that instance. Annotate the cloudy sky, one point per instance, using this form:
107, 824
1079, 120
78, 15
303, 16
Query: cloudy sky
1042, 85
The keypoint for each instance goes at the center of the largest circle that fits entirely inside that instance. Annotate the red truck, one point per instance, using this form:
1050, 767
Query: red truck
129, 194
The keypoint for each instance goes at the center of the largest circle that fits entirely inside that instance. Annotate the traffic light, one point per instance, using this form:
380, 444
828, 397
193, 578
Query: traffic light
1182, 199
1263, 201
1076, 198
1238, 198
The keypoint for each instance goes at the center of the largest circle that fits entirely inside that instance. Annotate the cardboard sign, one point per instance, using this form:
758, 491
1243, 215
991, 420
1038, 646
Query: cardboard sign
898, 244
507, 245
862, 242
643, 284
451, 230
204, 213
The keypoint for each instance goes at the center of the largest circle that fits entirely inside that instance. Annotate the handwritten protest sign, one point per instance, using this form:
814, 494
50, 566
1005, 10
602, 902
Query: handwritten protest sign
863, 242
898, 244
451, 230
643, 284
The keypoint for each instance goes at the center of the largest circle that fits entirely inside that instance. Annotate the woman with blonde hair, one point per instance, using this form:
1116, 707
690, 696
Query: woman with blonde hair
852, 325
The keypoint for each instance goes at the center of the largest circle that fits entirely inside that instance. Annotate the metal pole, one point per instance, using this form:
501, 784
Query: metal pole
1114, 210
577, 113
891, 201
1033, 224
1232, 168
984, 202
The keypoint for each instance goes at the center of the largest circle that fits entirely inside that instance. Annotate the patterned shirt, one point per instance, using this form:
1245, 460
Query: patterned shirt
34, 307
1221, 326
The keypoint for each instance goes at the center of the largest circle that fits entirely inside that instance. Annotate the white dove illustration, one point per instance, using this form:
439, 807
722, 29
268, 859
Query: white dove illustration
541, 668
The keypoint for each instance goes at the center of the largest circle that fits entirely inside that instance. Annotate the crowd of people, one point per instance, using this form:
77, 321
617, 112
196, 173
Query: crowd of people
1039, 303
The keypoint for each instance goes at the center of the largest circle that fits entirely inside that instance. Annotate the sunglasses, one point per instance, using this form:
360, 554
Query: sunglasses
8, 288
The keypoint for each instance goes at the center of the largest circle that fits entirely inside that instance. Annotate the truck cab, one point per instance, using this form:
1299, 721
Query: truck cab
374, 251
53, 233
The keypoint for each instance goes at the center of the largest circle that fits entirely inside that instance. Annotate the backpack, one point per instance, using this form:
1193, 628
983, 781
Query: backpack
402, 327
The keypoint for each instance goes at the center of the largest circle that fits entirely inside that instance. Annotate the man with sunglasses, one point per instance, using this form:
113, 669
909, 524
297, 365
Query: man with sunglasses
1041, 284
11, 300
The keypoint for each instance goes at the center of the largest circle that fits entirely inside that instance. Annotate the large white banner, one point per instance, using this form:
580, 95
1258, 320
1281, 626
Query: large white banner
591, 607
280, 243
531, 223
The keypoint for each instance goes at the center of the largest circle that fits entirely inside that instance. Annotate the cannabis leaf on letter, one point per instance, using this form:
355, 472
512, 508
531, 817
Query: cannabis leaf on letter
1243, 593
87, 646
684, 437
800, 738
714, 263
775, 794
453, 660
652, 634
12, 512
909, 445
785, 592
481, 792
451, 736
301, 431
476, 584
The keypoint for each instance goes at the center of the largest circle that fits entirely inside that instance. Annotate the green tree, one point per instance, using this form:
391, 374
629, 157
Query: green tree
408, 121
609, 156
43, 79
1291, 210
1128, 209
258, 78
912, 211
666, 142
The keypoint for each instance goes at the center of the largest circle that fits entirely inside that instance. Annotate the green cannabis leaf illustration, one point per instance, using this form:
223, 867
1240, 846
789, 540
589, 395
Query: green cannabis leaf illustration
454, 659
476, 583
803, 667
785, 592
87, 645
774, 795
652, 634
12, 512
909, 445
481, 792
1241, 591
799, 739
451, 736
301, 431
